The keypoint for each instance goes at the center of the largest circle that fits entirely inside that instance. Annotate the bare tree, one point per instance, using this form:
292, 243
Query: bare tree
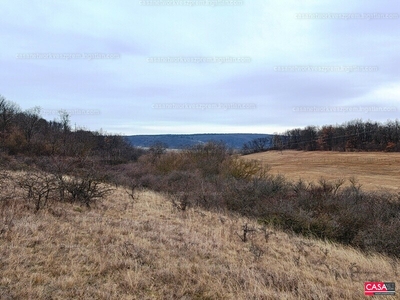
8, 110
29, 120
66, 128
257, 145
157, 149
277, 142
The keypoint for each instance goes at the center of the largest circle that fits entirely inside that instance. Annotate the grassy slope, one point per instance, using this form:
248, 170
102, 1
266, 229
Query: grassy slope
148, 249
374, 170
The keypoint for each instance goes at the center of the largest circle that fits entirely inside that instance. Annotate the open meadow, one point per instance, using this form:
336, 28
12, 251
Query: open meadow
148, 249
373, 170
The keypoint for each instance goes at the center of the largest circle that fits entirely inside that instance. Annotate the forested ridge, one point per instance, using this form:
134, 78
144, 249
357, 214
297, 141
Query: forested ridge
26, 132
356, 135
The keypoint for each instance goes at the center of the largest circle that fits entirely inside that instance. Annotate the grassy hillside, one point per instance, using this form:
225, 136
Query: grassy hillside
374, 170
148, 249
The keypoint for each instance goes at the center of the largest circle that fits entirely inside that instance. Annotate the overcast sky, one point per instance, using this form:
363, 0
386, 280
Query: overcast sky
164, 66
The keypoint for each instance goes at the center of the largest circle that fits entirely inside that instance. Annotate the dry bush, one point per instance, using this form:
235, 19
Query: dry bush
87, 188
82, 179
208, 157
256, 197
348, 215
126, 174
38, 187
60, 168
172, 161
60, 179
239, 168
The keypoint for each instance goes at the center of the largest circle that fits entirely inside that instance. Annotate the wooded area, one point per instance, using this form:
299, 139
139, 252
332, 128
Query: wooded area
27, 133
351, 136
355, 135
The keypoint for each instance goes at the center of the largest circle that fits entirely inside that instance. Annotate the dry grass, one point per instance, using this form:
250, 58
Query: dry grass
374, 170
148, 249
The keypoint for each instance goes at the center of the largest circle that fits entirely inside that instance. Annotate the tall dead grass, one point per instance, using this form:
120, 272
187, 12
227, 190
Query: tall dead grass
145, 248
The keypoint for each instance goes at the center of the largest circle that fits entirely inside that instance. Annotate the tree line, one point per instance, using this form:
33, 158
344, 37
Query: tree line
356, 135
25, 132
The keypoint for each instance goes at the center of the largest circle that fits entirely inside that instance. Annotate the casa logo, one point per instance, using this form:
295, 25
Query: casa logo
379, 288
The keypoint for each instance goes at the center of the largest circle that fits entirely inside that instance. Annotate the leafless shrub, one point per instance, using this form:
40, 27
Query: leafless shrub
60, 167
300, 187
267, 233
87, 188
131, 190
239, 168
246, 230
355, 186
330, 188
38, 187
337, 185
208, 158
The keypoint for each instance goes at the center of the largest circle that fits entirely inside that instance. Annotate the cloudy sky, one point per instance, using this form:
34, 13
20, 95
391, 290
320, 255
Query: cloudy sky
202, 66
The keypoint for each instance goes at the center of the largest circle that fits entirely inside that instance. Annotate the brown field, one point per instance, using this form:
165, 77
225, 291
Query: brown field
148, 249
374, 170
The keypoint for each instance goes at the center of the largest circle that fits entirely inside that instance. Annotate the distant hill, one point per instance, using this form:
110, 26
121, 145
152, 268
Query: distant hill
182, 141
